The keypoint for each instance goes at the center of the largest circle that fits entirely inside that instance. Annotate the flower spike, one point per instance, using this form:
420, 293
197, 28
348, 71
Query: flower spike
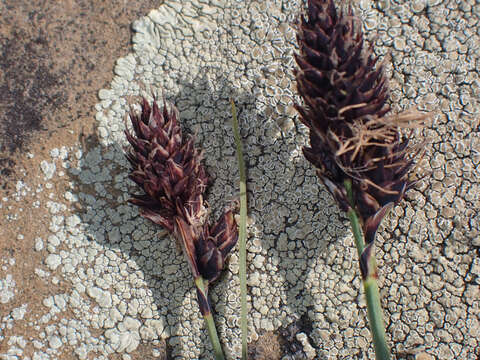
169, 170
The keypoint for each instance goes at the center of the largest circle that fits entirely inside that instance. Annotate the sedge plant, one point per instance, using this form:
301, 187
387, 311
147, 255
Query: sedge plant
356, 144
168, 169
242, 235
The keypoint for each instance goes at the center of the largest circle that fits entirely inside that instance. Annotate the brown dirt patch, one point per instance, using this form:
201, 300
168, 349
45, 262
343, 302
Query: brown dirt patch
54, 57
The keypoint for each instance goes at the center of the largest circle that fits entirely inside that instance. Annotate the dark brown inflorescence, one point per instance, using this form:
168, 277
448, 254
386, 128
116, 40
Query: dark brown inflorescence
169, 171
352, 136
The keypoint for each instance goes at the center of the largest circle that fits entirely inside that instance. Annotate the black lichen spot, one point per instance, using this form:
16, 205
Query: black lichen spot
29, 91
291, 345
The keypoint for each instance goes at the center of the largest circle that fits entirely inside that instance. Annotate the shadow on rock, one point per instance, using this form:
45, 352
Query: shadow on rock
148, 276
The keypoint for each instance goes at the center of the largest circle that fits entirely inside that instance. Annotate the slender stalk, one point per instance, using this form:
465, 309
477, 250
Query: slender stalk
242, 233
375, 318
352, 215
357, 231
372, 294
206, 311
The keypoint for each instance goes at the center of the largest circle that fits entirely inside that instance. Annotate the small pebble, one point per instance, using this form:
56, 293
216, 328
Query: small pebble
38, 244
53, 261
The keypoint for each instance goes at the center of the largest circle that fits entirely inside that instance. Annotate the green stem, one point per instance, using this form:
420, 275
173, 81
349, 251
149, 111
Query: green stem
372, 294
212, 331
357, 231
375, 317
206, 311
242, 233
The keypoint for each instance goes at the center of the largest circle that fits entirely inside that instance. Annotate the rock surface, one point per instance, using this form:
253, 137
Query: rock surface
106, 281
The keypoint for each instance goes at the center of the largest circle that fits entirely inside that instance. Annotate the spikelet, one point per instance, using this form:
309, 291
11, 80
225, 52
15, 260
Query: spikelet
169, 171
352, 135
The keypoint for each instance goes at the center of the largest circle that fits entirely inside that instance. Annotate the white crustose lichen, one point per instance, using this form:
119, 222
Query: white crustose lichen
120, 286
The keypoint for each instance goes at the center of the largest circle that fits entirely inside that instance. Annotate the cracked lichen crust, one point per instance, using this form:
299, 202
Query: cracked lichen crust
130, 290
